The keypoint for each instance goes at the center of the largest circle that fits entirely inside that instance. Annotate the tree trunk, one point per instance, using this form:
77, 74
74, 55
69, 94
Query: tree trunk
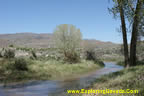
135, 33
124, 33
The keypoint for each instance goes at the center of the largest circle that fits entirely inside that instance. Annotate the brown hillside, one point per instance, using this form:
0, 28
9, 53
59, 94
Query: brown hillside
42, 41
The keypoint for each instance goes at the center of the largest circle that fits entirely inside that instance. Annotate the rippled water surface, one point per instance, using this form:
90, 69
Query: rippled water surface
57, 88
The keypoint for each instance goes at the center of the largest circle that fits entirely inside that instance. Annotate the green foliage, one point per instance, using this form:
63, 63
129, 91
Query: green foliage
121, 63
72, 57
19, 69
60, 69
1, 54
131, 78
11, 45
99, 62
34, 54
17, 64
140, 50
25, 49
15, 70
67, 39
140, 62
127, 5
90, 55
9, 53
20, 64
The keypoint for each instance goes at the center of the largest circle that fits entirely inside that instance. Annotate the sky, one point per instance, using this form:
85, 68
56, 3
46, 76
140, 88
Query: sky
42, 16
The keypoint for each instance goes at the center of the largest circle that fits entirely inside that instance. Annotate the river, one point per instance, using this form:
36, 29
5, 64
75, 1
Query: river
57, 88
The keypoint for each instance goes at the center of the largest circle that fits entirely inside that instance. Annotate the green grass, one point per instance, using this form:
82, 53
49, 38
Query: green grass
113, 58
53, 69
45, 70
121, 63
131, 78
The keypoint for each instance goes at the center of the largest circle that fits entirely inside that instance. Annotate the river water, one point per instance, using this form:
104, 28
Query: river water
57, 88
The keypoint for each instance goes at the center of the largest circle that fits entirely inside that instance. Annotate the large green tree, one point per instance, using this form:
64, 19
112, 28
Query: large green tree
68, 39
130, 10
135, 30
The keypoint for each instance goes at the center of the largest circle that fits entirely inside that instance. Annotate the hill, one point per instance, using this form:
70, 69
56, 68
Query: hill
26, 40
43, 41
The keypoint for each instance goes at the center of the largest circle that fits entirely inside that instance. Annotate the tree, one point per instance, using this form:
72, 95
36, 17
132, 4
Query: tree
68, 38
135, 29
119, 8
9, 53
131, 9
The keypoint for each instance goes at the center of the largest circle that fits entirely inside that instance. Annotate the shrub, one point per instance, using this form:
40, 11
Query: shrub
1, 54
99, 62
9, 53
122, 63
72, 57
20, 64
90, 55
17, 64
34, 54
11, 45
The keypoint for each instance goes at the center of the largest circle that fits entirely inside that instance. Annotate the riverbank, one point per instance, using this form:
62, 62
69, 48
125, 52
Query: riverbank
131, 78
121, 63
46, 70
59, 87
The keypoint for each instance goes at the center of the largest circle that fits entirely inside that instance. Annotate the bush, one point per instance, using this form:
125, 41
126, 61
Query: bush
9, 53
34, 54
1, 54
99, 62
122, 63
90, 55
11, 45
20, 64
17, 64
72, 57
140, 62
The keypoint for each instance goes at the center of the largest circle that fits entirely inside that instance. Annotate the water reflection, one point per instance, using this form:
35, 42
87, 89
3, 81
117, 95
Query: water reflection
56, 88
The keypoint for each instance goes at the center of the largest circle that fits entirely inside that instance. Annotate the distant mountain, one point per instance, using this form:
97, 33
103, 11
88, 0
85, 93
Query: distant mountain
26, 40
99, 44
42, 41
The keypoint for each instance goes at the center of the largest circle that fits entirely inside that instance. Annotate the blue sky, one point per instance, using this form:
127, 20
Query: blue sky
42, 16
